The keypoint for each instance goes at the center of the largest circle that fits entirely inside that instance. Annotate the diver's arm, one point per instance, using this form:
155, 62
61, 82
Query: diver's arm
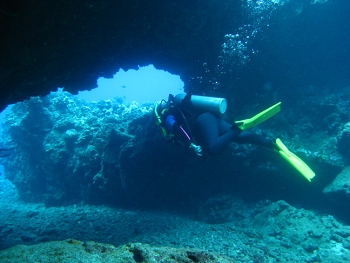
181, 134
172, 126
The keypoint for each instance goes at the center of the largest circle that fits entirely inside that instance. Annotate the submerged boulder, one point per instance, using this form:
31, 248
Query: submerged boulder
72, 250
254, 232
339, 189
67, 150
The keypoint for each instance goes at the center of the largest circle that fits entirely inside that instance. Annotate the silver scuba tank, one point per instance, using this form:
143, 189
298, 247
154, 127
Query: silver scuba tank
203, 103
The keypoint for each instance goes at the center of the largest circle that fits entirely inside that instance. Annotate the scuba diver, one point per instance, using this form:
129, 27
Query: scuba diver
196, 121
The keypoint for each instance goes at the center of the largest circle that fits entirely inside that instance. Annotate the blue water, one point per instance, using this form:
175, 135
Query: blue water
142, 85
291, 56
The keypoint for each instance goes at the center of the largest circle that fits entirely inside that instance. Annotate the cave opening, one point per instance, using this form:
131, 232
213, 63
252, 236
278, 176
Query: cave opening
146, 84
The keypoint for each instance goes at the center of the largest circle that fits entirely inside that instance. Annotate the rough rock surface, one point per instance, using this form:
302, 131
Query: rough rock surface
50, 44
67, 150
252, 232
46, 45
339, 189
74, 251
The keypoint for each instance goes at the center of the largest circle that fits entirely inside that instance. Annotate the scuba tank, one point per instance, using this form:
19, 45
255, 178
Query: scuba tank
204, 104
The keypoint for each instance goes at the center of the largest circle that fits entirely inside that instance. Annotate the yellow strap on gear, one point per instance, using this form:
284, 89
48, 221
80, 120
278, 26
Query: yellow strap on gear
260, 117
159, 122
295, 161
158, 118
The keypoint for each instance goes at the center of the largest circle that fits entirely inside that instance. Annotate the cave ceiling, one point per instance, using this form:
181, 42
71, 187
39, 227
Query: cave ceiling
49, 44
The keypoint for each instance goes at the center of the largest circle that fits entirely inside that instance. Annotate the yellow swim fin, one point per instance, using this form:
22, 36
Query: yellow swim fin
260, 117
295, 161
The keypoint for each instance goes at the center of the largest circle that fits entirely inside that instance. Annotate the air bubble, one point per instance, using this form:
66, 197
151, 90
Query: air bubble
237, 48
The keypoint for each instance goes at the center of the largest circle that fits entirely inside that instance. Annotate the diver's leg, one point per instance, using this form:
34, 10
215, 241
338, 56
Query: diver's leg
253, 138
224, 126
208, 133
244, 136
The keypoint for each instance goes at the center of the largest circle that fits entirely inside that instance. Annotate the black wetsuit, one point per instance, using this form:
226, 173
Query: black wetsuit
180, 123
212, 133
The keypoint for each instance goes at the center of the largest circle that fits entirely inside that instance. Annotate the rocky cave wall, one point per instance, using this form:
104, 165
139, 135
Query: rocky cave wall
67, 150
50, 44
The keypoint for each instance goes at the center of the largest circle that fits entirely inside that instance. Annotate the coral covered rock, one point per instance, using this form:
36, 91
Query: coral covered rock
339, 189
66, 149
75, 251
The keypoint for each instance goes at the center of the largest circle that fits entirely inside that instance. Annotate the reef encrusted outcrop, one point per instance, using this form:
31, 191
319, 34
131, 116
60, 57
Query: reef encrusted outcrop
76, 251
252, 232
339, 189
68, 150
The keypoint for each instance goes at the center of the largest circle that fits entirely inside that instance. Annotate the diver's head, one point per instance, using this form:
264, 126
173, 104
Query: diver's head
171, 100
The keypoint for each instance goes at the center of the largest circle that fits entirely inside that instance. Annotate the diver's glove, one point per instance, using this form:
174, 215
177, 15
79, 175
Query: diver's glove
196, 148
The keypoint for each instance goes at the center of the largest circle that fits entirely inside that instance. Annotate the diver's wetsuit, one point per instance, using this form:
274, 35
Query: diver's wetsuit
214, 134
176, 123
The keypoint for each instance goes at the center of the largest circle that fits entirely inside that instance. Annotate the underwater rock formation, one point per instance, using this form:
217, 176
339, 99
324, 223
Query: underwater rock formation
76, 251
70, 45
255, 232
67, 150
339, 189
52, 44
